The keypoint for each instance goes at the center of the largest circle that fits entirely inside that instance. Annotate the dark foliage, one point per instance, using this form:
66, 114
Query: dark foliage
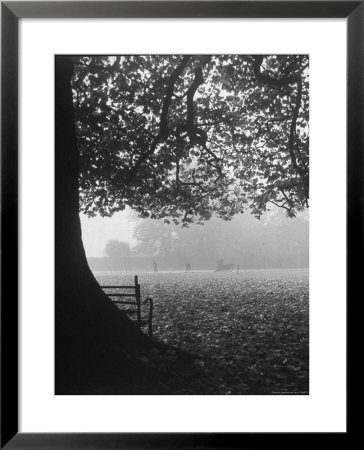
183, 137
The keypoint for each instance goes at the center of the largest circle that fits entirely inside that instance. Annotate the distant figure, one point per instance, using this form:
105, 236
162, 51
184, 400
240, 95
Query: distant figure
155, 267
188, 267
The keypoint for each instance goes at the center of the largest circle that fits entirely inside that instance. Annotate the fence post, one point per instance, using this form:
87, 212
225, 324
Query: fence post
150, 317
137, 295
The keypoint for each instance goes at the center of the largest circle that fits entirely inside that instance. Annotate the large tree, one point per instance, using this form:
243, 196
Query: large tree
95, 343
173, 137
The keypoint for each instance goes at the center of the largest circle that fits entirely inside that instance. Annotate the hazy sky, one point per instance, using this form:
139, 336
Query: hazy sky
98, 230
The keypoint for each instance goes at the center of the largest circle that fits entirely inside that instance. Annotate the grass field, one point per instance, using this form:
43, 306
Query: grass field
249, 332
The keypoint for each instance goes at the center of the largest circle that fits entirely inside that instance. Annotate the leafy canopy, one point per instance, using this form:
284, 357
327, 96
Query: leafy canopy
185, 137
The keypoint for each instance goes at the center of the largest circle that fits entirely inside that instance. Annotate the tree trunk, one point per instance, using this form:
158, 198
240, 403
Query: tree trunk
94, 340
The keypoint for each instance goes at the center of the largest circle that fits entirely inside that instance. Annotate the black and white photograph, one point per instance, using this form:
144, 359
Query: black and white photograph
182, 224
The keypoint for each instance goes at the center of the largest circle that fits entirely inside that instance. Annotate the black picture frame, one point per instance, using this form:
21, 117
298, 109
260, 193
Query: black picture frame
11, 12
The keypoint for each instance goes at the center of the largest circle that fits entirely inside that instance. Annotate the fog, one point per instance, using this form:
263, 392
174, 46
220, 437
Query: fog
97, 231
274, 241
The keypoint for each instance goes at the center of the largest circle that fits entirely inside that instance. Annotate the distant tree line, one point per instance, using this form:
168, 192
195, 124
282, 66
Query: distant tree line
273, 241
117, 249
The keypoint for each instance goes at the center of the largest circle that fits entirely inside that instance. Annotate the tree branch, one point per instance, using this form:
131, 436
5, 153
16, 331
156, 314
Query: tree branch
292, 140
163, 124
285, 80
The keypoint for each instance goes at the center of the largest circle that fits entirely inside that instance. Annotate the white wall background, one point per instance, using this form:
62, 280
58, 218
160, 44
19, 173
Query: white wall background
324, 408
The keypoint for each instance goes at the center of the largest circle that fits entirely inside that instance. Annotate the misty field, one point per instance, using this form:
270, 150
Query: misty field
249, 331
